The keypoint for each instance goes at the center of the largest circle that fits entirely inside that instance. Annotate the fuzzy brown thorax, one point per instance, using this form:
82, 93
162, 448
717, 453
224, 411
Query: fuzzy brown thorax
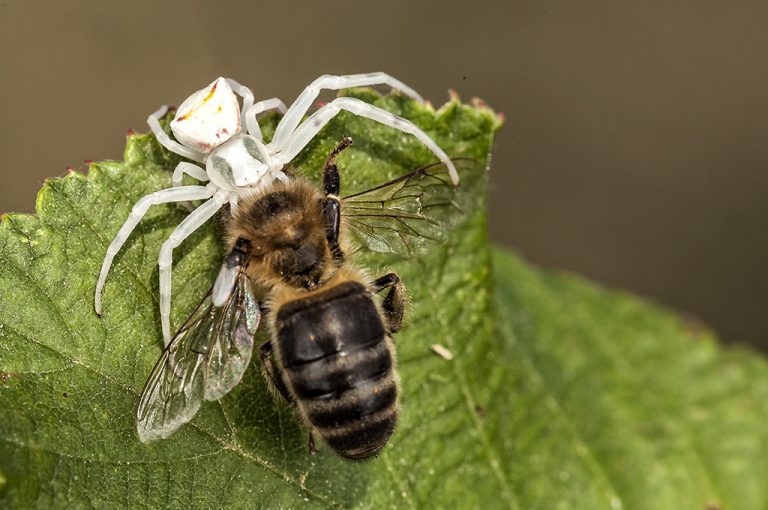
286, 228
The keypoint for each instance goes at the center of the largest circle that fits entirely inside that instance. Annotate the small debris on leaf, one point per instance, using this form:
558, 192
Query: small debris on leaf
441, 351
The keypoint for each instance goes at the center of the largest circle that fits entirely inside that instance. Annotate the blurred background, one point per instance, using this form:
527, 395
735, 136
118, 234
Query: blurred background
635, 150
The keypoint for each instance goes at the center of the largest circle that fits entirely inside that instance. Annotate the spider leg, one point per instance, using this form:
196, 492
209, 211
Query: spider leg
310, 127
234, 200
180, 194
302, 103
165, 140
262, 106
165, 260
246, 94
191, 170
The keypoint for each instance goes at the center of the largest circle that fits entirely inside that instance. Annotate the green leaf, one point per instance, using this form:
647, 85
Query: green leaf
559, 394
72, 379
634, 406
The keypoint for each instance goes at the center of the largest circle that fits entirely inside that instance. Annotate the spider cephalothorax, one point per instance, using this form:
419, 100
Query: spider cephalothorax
237, 163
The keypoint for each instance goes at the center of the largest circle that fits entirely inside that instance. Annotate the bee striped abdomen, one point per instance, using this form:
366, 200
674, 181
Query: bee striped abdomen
337, 358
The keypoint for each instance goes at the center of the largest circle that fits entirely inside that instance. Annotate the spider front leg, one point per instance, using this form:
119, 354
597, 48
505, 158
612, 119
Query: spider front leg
262, 106
191, 170
165, 260
310, 127
246, 94
302, 103
181, 194
165, 140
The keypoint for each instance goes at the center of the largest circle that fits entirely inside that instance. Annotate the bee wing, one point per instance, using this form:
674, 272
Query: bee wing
407, 215
204, 361
232, 340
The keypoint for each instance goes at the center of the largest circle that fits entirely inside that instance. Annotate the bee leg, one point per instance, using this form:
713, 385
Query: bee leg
394, 302
311, 444
331, 208
331, 179
332, 204
265, 353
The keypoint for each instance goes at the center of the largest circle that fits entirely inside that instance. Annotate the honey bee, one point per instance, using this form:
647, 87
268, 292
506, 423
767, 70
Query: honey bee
331, 351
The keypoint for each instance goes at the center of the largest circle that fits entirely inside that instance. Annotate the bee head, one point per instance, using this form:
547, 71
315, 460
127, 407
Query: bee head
286, 227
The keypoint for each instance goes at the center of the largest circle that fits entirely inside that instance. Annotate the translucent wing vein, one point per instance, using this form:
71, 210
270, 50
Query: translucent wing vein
204, 361
407, 215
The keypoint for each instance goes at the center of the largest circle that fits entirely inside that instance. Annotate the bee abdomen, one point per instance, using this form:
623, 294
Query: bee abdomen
338, 359
358, 416
350, 399
327, 378
363, 438
341, 319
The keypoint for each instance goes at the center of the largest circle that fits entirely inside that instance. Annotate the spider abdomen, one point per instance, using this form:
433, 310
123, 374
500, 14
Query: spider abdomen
337, 359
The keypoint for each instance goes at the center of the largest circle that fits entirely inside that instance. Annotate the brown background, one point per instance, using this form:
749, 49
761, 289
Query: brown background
634, 153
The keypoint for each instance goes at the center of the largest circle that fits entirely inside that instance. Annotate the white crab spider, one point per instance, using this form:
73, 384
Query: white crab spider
207, 126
